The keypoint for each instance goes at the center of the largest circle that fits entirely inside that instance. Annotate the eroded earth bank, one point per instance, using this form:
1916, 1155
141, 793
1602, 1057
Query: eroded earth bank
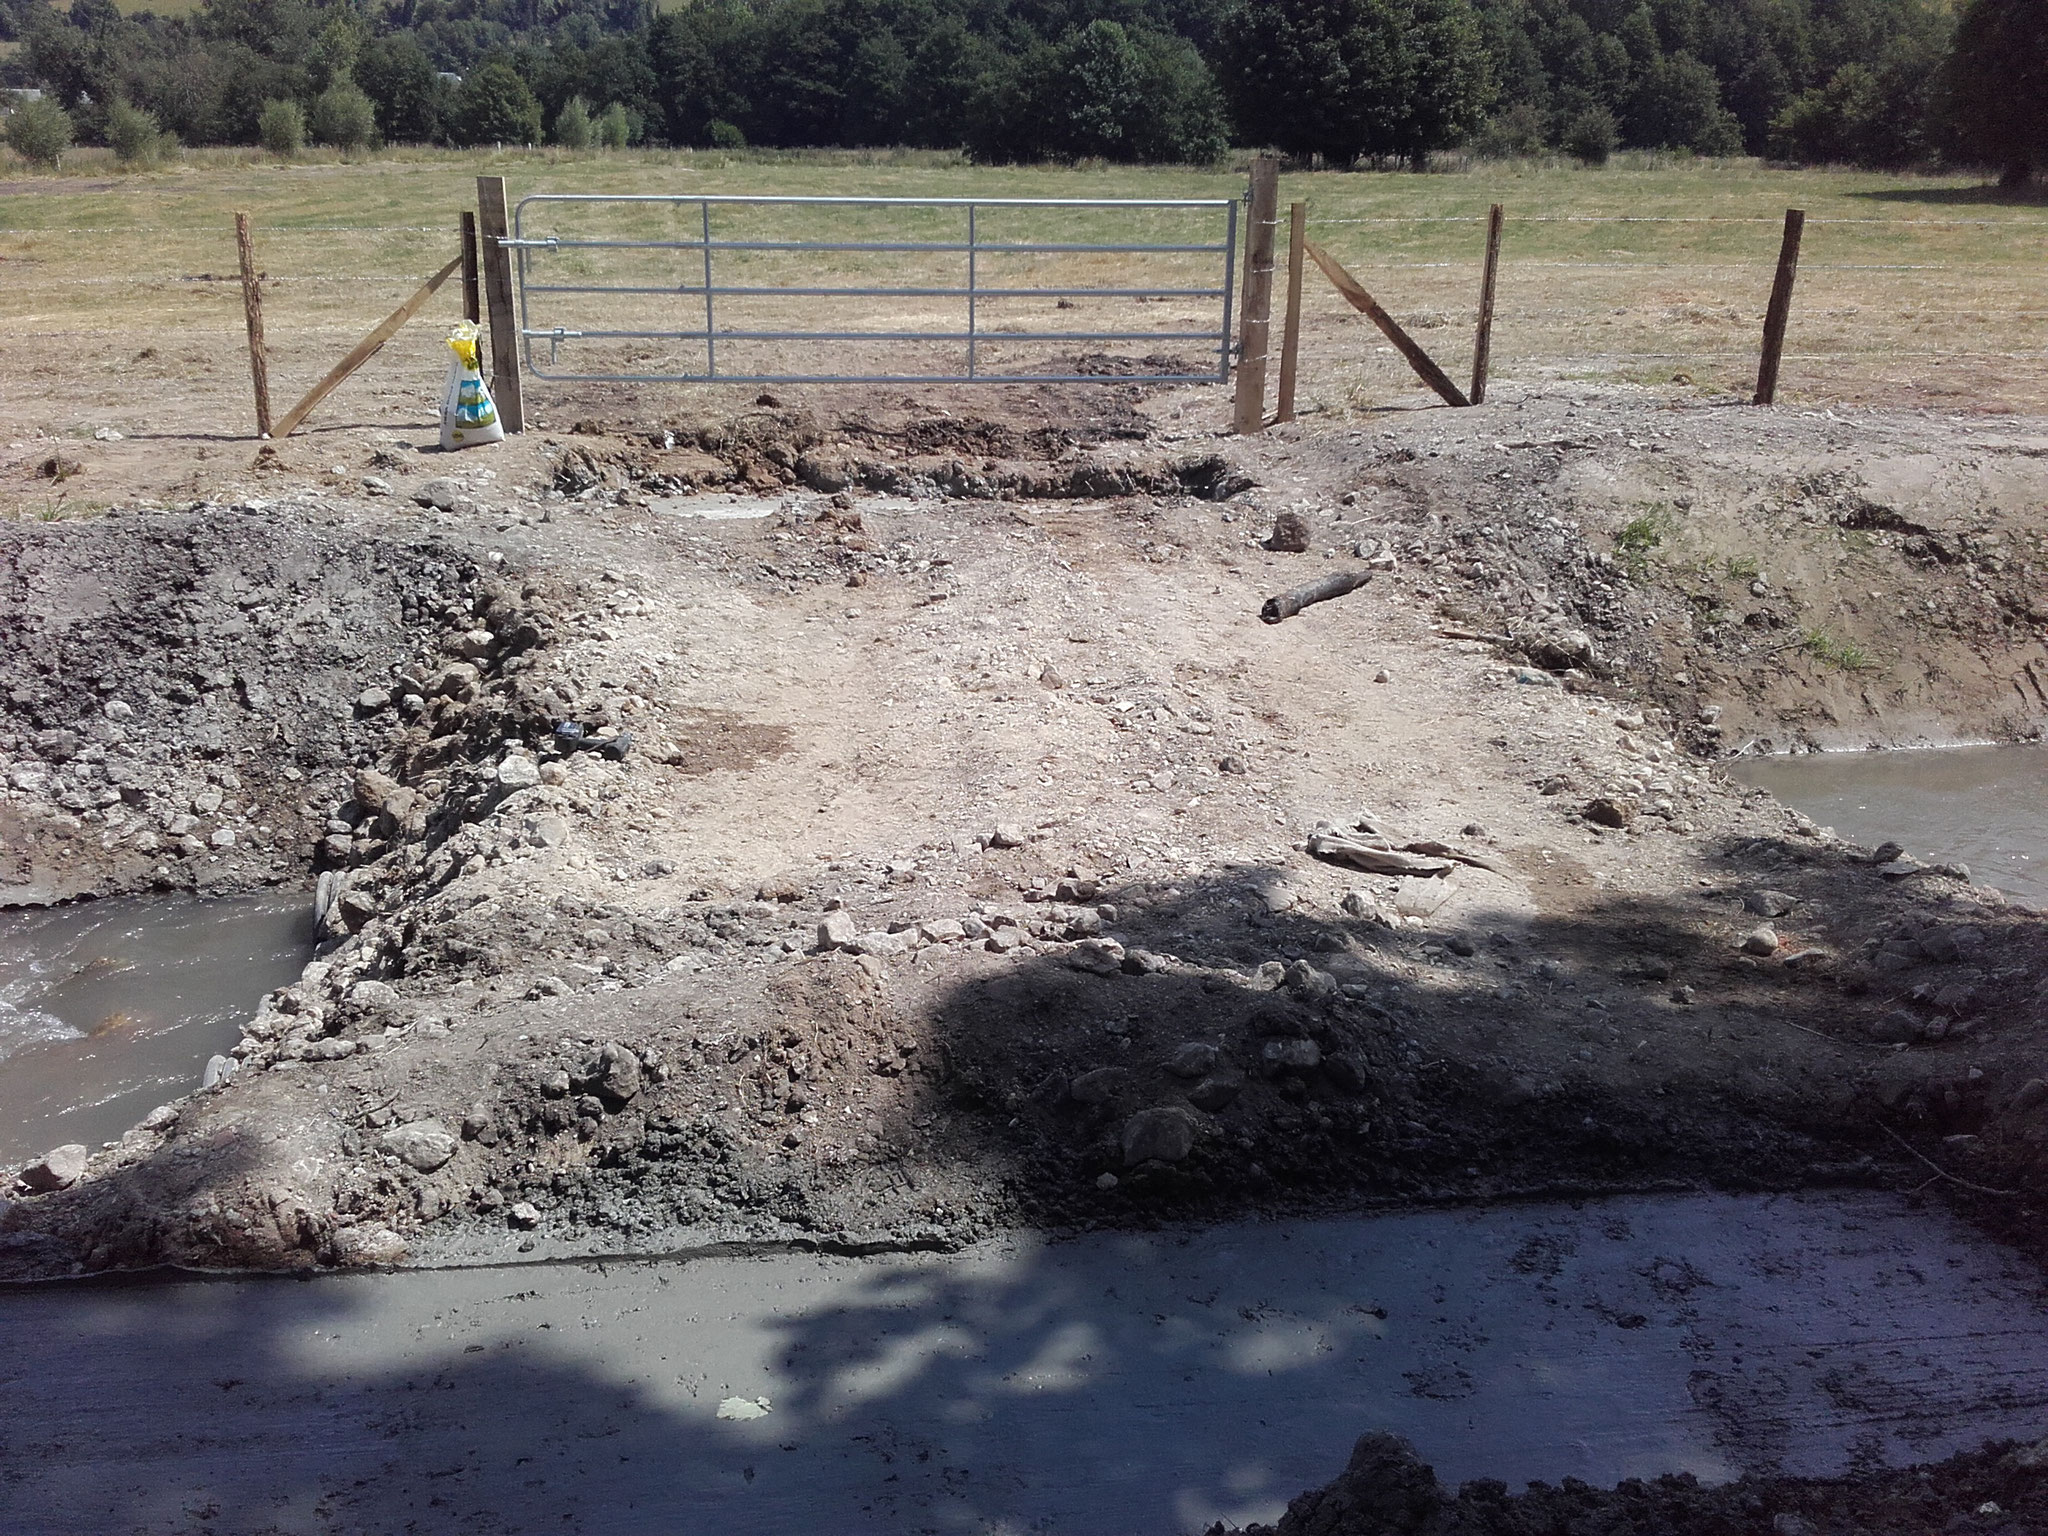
868, 830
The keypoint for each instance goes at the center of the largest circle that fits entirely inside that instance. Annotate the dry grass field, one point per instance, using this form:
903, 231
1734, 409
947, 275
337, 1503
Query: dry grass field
118, 304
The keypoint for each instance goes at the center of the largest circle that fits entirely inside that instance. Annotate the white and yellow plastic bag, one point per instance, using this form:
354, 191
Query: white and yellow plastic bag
468, 414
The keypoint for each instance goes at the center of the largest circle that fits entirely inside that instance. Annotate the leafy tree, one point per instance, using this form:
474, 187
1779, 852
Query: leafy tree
495, 106
572, 125
1994, 88
39, 131
344, 116
281, 127
1345, 78
406, 90
614, 127
724, 135
1676, 104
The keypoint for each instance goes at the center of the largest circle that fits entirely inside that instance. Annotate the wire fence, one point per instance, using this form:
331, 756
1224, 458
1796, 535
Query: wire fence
1942, 310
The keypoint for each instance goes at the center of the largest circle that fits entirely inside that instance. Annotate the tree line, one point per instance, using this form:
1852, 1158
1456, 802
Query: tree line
1872, 82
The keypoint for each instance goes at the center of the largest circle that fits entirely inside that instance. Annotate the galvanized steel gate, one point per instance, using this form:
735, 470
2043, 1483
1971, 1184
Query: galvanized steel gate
590, 269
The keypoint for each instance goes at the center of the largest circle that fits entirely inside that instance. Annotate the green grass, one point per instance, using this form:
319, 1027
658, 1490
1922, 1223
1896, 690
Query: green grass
1840, 654
1743, 568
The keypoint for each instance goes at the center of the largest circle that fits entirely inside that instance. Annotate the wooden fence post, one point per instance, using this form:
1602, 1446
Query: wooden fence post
493, 226
1482, 347
1290, 337
252, 315
1256, 318
472, 299
1781, 307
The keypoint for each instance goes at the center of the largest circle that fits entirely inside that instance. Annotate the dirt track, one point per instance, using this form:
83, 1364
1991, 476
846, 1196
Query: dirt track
988, 705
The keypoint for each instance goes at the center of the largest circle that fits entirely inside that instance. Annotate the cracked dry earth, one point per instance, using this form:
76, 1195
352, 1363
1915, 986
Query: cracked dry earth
859, 847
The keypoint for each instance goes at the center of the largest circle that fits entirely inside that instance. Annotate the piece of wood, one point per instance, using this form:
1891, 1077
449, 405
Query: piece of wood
1405, 344
1290, 335
252, 316
1780, 312
366, 349
1482, 346
493, 227
1255, 317
1288, 604
472, 295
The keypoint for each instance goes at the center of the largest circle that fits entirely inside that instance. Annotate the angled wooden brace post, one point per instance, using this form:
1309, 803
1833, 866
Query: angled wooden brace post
1360, 300
365, 349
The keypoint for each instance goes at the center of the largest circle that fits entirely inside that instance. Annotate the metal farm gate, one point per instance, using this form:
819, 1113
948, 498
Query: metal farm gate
874, 289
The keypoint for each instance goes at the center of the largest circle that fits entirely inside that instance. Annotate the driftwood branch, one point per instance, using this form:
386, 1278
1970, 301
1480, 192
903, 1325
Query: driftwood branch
1941, 1172
1288, 604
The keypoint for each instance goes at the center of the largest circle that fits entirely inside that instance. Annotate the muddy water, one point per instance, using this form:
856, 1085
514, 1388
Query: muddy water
1134, 1383
108, 1008
1986, 807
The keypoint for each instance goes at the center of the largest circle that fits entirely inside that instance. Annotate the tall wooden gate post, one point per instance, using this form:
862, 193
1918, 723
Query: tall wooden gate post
1780, 312
493, 227
1256, 317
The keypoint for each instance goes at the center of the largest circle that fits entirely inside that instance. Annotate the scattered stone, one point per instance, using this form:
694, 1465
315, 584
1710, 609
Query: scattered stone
1007, 834
59, 1168
1105, 1182
423, 1145
1770, 903
1143, 962
441, 494
1809, 958
743, 1408
1610, 811
1100, 957
616, 1074
368, 1246
1382, 676
1290, 1056
1899, 869
371, 700
1290, 535
1216, 1091
372, 997
2033, 1092
524, 1215
1157, 1136
328, 1050
837, 931
1895, 1028
1194, 1059
1761, 940
944, 930
880, 942
218, 1073
1005, 939
376, 486
518, 772
1884, 853
1098, 1086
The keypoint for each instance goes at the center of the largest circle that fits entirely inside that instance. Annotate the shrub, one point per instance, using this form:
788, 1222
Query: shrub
39, 131
136, 136
726, 135
1590, 136
1994, 88
1517, 131
614, 128
344, 116
572, 125
281, 127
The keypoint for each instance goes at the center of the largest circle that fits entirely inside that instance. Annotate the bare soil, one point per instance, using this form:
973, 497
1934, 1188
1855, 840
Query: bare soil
936, 857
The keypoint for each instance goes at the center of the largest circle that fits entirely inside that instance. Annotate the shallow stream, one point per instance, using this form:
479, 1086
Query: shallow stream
110, 1008
1138, 1383
1986, 807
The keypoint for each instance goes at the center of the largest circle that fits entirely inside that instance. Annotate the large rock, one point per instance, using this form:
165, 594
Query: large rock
423, 1144
58, 1169
1098, 1086
1194, 1059
837, 931
616, 1075
1385, 1488
1290, 1056
1157, 1135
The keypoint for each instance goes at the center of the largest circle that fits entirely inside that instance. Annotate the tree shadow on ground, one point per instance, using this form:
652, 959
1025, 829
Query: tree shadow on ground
1990, 194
